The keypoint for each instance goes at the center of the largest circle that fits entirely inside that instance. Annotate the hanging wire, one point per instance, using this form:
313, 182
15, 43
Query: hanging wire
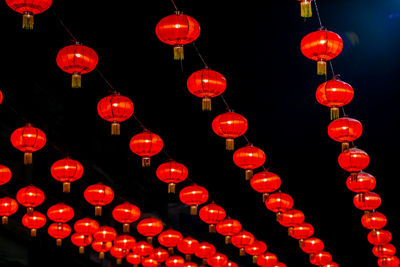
64, 26
105, 80
319, 17
176, 8
200, 56
228, 108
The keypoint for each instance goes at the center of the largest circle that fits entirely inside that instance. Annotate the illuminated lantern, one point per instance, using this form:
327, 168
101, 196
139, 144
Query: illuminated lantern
229, 125
217, 260
305, 8
241, 240
5, 174
367, 201
81, 240
386, 250
353, 160
334, 94
125, 242
256, 249
118, 253
30, 197
374, 220
146, 144
190, 264
34, 221
388, 262
177, 30
59, 232
231, 264
175, 261
188, 246
66, 171
98, 195
105, 234
29, 8
212, 214
77, 59
149, 228
280, 264
170, 239
320, 258
8, 207
60, 213
204, 251
142, 248
321, 46
159, 254
86, 226
332, 264
115, 108
291, 217
345, 130
172, 172
134, 259
149, 262
28, 139
379, 237
301, 232
1, 97
267, 259
279, 202
249, 158
126, 213
312, 245
228, 228
265, 182
364, 182
101, 247
193, 196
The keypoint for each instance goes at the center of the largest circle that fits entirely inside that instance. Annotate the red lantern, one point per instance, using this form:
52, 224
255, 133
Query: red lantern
67, 171
59, 232
142, 248
363, 183
291, 217
320, 258
178, 30
118, 253
34, 221
388, 262
256, 249
228, 228
190, 264
332, 264
249, 158
241, 240
212, 214
193, 196
115, 108
367, 201
81, 240
312, 245
170, 239
279, 202
86, 226
305, 8
265, 182
379, 237
146, 144
353, 160
231, 264
159, 254
30, 197
386, 250
204, 251
125, 242
149, 262
374, 220
101, 247
99, 195
77, 59
134, 259
28, 139
321, 46
5, 174
267, 259
126, 213
1, 97
188, 246
105, 234
229, 125
150, 227
29, 8
8, 207
172, 173
301, 232
217, 260
280, 264
60, 213
345, 130
175, 261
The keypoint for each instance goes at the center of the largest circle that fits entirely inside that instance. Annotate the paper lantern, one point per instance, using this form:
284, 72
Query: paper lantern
66, 171
118, 253
292, 217
1, 97
105, 234
367, 201
279, 202
159, 254
81, 240
149, 228
59, 232
353, 160
134, 259
230, 125
126, 213
101, 247
267, 259
170, 239
190, 264
265, 182
98, 195
241, 240
146, 145
301, 232
86, 226
231, 264
34, 221
228, 228
249, 158
312, 245
188, 246
392, 261
364, 182
29, 8
386, 250
320, 258
379, 237
149, 262
212, 214
172, 172
256, 249
8, 207
193, 196
217, 260
374, 220
175, 261
5, 174
60, 213
345, 130
142, 248
28, 139
30, 197
125, 242
204, 251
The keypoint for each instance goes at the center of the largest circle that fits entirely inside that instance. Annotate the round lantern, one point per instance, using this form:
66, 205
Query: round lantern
249, 158
256, 249
1, 97
188, 246
267, 259
34, 221
125, 242
172, 172
217, 260
292, 217
8, 207
5, 174
170, 239
228, 228
353, 160
265, 182
367, 201
29, 8
231, 264
30, 197
160, 255
126, 213
101, 247
374, 220
305, 8
134, 259
59, 232
379, 237
345, 130
363, 183
81, 240
146, 144
331, 264
386, 250
99, 195
388, 262
105, 234
178, 30
321, 46
115, 108
86, 226
278, 202
193, 196
149, 228
312, 245
28, 139
320, 258
241, 240
66, 171
191, 264
60, 213
77, 59
230, 125
204, 251
149, 262
118, 253
212, 214
142, 248
175, 261
301, 232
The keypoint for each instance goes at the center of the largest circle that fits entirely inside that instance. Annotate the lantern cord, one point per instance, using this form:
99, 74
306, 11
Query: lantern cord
228, 108
247, 139
176, 8
331, 65
16, 112
64, 26
200, 56
319, 17
140, 122
105, 80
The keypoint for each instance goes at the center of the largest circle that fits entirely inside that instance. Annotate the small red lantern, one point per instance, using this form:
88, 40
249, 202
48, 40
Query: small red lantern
321, 46
170, 239
204, 251
279, 202
146, 144
386, 250
388, 262
212, 214
29, 8
5, 174
34, 221
256, 249
265, 182
60, 213
81, 240
267, 259
1, 97
312, 245
332, 264
241, 240
67, 171
101, 247
142, 248
367, 201
379, 237
98, 195
125, 242
149, 228
172, 172
28, 139
59, 232
77, 59
353, 160
30, 197
134, 259
188, 246
217, 260
178, 30
193, 196
345, 130
280, 264
86, 226
231, 264
249, 158
305, 8
149, 262
374, 220
291, 217
301, 232
8, 207
230, 125
320, 258
175, 261
159, 254
105, 234
126, 213
363, 183
118, 253
228, 228
191, 264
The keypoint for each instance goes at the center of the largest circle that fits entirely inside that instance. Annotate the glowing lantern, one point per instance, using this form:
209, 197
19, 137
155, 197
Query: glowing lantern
345, 130
305, 8
101, 247
386, 250
29, 8
379, 237
217, 260
172, 172
133, 259
28, 139
105, 234
170, 239
231, 264
150, 227
126, 213
353, 160
212, 214
146, 144
312, 245
66, 171
265, 182
99, 195
320, 258
191, 264
388, 262
374, 220
59, 232
149, 262
363, 183
267, 259
34, 221
280, 264
279, 202
241, 240
86, 226
301, 232
249, 158
228, 228
175, 261
291, 217
30, 197
256, 249
1, 97
331, 264
367, 201
159, 254
193, 196
8, 207
77, 59
5, 174
81, 240
204, 251
60, 213
188, 246
142, 248
230, 125
118, 253
125, 242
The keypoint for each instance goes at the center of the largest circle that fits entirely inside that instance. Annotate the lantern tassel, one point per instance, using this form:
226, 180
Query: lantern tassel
301, 243
178, 52
76, 80
171, 251
345, 146
33, 232
27, 21
171, 188
29, 210
97, 211
119, 261
354, 176
150, 240
206, 104
145, 161
126, 228
265, 196
230, 144
242, 252
115, 128
81, 250
58, 242
278, 216
228, 239
306, 10
27, 158
66, 187
101, 255
255, 257
193, 210
4, 220
204, 261
211, 229
188, 257
249, 174
334, 114
321, 68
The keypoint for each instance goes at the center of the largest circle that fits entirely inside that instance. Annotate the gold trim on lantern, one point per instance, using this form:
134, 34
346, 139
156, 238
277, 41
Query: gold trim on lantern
334, 113
81, 250
4, 220
97, 211
27, 20
27, 158
228, 239
206, 104
178, 52
126, 227
193, 210
230, 144
305, 9
145, 161
76, 80
66, 187
242, 252
33, 232
171, 188
115, 128
321, 67
249, 174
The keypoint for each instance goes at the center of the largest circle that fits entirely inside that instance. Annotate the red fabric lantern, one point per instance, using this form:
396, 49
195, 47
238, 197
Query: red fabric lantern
59, 232
353, 160
170, 239
142, 248
81, 240
305, 8
256, 249
159, 254
5, 174
301, 232
149, 262
386, 250
230, 125
188, 246
34, 221
363, 183
291, 217
29, 8
86, 226
345, 130
321, 46
267, 259
279, 202
150, 227
388, 262
332, 264
118, 253
190, 264
228, 228
374, 220
367, 201
134, 259
217, 260
312, 245
8, 207
320, 258
1, 97
99, 195
125, 242
193, 196
172, 173
175, 261
241, 240
101, 247
105, 234
126, 213
204, 251
212, 214
280, 264
77, 59
146, 144
30, 197
60, 213
231, 264
249, 158
265, 182
28, 139
178, 30
379, 237
66, 171
115, 108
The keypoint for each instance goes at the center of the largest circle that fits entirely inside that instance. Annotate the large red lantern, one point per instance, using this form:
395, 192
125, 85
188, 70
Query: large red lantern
204, 251
175, 261
99, 195
279, 202
81, 240
149, 262
392, 261
386, 250
115, 108
172, 172
345, 130
265, 182
8, 207
301, 232
160, 255
320, 258
146, 144
142, 248
212, 214
177, 30
134, 259
193, 196
105, 234
241, 240
34, 221
60, 213
379, 237
170, 239
374, 220
59, 232
118, 253
228, 228
217, 260
367, 201
249, 158
29, 8
86, 226
292, 217
188, 246
125, 242
312, 245
66, 171
230, 125
353, 160
28, 139
101, 247
126, 213
321, 46
77, 59
256, 249
363, 183
150, 227
5, 174
305, 8
267, 259
30, 197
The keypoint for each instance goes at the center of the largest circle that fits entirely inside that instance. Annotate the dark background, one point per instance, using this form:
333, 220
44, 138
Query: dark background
256, 47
